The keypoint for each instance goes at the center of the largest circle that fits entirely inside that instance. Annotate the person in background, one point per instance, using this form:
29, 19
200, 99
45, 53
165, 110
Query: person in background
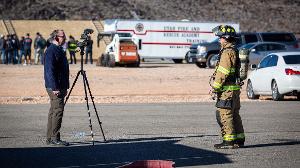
22, 52
2, 49
41, 45
16, 45
56, 75
35, 47
72, 45
9, 49
27, 49
89, 50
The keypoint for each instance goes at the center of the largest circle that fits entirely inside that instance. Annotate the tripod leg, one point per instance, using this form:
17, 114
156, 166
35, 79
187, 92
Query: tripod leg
72, 87
87, 105
92, 98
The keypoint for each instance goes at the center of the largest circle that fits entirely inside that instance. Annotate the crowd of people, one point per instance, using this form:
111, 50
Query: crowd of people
14, 50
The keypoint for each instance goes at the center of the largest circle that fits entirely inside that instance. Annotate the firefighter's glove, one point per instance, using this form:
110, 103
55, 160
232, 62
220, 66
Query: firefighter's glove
216, 90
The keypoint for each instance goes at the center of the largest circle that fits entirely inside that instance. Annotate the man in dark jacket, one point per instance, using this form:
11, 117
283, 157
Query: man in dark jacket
89, 50
56, 75
27, 48
22, 53
2, 49
9, 49
16, 45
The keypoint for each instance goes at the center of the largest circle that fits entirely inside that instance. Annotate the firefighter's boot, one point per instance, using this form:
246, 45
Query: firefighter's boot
226, 145
240, 142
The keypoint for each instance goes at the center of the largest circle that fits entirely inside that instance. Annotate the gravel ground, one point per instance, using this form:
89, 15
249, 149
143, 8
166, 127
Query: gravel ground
153, 82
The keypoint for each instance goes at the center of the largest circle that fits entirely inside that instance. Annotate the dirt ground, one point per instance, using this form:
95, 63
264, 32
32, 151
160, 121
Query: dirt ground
151, 83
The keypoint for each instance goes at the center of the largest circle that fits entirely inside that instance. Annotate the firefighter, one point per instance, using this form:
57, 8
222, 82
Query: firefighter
226, 86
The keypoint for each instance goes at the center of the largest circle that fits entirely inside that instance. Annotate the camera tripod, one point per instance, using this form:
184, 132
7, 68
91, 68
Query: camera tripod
86, 87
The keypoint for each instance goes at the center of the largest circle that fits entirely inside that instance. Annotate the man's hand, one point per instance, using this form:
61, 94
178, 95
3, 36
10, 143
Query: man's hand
56, 92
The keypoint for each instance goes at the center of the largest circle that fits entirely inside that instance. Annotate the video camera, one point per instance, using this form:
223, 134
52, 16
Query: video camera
84, 37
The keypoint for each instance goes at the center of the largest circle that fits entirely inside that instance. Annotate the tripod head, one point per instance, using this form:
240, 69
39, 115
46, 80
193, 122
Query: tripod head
84, 38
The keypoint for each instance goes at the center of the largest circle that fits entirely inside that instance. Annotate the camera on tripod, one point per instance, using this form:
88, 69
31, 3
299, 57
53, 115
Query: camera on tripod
84, 37
81, 44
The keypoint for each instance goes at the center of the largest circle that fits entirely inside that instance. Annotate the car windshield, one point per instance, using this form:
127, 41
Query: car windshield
292, 59
247, 46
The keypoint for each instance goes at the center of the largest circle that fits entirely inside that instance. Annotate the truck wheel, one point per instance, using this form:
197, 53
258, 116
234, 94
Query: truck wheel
111, 61
275, 93
187, 59
212, 60
201, 64
177, 61
250, 92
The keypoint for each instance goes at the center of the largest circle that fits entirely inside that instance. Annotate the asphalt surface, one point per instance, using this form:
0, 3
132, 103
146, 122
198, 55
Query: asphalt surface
184, 133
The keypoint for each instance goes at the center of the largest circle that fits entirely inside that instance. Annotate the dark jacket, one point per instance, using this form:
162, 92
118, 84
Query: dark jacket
56, 68
15, 43
21, 44
89, 45
2, 43
41, 43
9, 45
27, 43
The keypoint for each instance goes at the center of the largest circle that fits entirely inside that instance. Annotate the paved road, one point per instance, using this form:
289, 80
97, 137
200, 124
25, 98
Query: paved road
183, 133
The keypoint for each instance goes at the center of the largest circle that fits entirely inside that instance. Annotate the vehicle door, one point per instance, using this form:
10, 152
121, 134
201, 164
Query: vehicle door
269, 72
259, 74
257, 53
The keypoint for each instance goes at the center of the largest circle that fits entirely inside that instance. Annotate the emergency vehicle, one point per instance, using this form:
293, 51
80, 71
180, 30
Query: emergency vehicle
165, 39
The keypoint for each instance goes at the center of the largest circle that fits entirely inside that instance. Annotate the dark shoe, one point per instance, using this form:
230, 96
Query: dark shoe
226, 145
59, 143
240, 142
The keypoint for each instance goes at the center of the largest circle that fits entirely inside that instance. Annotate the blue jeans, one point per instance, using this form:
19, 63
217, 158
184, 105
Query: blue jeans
10, 55
22, 53
16, 56
89, 53
3, 59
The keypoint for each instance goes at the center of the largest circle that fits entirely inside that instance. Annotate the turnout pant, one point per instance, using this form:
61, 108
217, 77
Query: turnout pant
55, 114
229, 119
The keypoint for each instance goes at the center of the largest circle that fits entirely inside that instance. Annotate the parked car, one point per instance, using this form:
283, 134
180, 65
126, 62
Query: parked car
259, 50
202, 53
277, 74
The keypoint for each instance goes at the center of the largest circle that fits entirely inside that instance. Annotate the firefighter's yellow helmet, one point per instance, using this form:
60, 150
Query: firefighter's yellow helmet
225, 31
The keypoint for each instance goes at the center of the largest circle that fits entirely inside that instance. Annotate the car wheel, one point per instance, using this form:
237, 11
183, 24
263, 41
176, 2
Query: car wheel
186, 58
250, 92
212, 60
201, 64
275, 93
